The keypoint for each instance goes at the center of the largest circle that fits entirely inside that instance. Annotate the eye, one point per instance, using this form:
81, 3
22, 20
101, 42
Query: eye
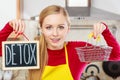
61, 27
48, 27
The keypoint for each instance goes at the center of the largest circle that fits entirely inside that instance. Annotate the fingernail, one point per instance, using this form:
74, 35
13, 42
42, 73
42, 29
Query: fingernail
20, 32
15, 32
94, 37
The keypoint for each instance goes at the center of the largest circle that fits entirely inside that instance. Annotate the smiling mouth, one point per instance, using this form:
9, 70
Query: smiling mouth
55, 40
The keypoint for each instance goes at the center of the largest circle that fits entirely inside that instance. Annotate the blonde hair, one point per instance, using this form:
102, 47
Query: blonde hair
53, 9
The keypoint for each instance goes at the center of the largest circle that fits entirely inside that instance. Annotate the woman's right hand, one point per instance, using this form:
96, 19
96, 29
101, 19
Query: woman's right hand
98, 28
18, 26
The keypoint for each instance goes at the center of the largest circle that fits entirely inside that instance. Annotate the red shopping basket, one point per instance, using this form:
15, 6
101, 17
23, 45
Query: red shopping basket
93, 53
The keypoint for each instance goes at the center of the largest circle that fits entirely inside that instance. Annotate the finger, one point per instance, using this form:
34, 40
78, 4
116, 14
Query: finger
16, 27
98, 28
20, 26
101, 28
94, 30
23, 28
12, 24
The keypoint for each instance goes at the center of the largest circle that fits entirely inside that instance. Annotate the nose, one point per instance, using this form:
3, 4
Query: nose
55, 32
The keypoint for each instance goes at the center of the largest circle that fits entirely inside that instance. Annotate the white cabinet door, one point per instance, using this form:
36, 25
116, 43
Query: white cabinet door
7, 11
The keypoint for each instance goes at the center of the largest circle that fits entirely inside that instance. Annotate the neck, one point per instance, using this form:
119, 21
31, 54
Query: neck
55, 47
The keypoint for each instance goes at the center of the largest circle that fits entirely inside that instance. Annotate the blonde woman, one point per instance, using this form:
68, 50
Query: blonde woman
58, 59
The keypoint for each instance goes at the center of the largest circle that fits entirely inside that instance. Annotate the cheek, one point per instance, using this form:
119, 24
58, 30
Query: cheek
64, 34
46, 34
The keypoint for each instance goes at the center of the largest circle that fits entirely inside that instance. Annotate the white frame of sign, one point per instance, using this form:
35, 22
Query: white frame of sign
24, 67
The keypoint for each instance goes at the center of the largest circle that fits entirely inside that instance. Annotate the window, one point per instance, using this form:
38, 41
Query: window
77, 3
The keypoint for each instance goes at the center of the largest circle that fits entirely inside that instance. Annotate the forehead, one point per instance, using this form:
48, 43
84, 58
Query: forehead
55, 18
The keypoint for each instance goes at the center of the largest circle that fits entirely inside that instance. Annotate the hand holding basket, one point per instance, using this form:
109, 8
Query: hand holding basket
93, 52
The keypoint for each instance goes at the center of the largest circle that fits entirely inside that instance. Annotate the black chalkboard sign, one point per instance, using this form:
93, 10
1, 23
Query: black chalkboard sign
20, 55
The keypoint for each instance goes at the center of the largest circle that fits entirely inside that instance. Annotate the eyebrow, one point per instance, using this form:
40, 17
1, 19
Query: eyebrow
61, 24
50, 24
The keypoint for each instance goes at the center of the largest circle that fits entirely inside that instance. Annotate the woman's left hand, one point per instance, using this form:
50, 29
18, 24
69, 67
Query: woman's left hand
98, 28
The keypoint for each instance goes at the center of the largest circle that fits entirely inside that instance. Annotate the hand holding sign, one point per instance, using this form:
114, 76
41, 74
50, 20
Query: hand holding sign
18, 26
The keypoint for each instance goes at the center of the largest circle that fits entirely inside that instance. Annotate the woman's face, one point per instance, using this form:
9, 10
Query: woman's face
55, 28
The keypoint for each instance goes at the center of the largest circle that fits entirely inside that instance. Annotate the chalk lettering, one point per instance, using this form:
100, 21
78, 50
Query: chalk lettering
13, 54
26, 46
20, 49
33, 54
8, 54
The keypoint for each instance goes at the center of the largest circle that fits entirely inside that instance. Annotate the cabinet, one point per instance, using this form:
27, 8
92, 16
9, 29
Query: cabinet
8, 10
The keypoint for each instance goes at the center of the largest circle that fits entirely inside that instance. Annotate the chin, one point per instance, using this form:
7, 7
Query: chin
56, 45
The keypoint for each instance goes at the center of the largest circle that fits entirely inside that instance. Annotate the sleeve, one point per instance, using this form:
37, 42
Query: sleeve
4, 33
111, 41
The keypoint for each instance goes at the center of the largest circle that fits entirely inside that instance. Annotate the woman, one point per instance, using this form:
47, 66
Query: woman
58, 59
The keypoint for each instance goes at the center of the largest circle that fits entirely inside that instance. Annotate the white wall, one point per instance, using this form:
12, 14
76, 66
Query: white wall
34, 7
7, 11
108, 5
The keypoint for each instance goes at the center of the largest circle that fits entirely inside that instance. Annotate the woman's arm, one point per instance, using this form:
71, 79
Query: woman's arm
111, 41
17, 26
4, 33
102, 28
